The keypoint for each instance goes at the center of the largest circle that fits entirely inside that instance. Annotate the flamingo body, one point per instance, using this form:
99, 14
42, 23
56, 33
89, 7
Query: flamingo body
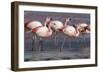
70, 31
44, 32
34, 24
39, 29
83, 24
56, 25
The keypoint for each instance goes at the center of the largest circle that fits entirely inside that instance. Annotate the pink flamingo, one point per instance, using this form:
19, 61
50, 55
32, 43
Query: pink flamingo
56, 26
44, 30
84, 29
33, 25
39, 29
70, 31
75, 30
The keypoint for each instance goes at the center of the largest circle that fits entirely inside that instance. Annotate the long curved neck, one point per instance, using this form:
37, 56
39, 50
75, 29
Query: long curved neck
48, 19
47, 23
77, 32
49, 27
66, 22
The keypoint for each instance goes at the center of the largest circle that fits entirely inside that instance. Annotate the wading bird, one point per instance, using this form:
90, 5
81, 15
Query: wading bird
56, 25
40, 30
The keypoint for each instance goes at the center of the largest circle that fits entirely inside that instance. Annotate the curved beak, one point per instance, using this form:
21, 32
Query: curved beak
87, 28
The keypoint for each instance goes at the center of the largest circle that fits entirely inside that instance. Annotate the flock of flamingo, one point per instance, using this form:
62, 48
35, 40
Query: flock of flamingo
49, 26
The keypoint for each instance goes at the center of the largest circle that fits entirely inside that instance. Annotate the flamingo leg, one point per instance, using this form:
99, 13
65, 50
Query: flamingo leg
34, 42
55, 39
62, 45
69, 43
40, 45
84, 41
34, 46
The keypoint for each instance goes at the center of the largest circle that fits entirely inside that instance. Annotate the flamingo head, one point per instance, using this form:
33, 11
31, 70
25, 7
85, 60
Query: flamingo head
48, 19
86, 29
67, 19
83, 27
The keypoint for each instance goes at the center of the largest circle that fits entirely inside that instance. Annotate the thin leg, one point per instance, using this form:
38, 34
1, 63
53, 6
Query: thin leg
61, 48
33, 42
55, 40
40, 45
69, 43
84, 41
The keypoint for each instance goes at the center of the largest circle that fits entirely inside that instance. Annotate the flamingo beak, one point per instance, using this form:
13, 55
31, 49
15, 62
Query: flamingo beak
88, 28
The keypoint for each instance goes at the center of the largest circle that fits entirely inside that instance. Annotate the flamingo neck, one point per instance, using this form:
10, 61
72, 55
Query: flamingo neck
49, 28
48, 33
65, 26
66, 23
47, 22
77, 32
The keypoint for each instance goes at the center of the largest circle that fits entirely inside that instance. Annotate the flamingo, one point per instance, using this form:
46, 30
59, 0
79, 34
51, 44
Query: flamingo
56, 26
84, 28
39, 29
75, 30
32, 25
44, 30
69, 30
